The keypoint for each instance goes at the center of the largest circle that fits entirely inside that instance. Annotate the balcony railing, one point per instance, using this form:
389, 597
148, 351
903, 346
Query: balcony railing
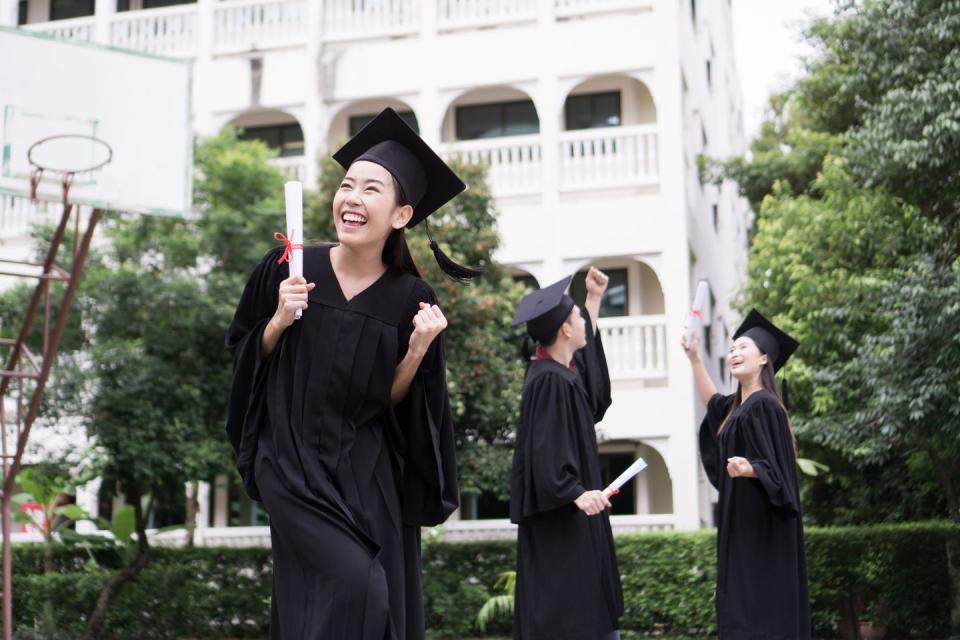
293, 167
452, 531
17, 215
352, 19
242, 25
608, 156
462, 14
73, 29
514, 164
635, 347
169, 30
571, 8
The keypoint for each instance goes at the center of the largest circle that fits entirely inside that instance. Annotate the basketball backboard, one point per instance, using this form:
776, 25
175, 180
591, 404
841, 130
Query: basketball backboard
79, 96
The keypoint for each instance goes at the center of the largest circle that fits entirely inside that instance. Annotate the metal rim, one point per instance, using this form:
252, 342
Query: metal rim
62, 136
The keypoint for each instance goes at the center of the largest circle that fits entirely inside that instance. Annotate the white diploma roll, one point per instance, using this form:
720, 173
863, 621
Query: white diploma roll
293, 195
695, 317
625, 477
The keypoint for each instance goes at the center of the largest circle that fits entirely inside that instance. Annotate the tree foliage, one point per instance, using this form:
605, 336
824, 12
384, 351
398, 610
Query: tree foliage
854, 183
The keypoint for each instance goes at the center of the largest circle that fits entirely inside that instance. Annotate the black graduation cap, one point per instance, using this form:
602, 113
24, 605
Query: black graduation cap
545, 310
426, 180
388, 141
775, 343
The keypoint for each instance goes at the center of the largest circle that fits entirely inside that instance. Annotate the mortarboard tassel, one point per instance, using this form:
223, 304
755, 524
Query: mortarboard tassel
454, 271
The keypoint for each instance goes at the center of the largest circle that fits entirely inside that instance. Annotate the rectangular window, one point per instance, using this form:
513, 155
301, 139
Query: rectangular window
716, 217
593, 110
66, 9
615, 301
528, 281
496, 120
693, 12
611, 466
125, 5
359, 122
285, 138
709, 75
22, 7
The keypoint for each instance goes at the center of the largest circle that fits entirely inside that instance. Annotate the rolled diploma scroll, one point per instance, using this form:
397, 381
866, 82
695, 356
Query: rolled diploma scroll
696, 309
625, 477
293, 195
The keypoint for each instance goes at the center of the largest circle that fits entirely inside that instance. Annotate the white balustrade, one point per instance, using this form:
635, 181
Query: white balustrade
17, 215
608, 157
514, 164
569, 8
459, 14
293, 167
635, 346
72, 29
242, 25
354, 19
169, 30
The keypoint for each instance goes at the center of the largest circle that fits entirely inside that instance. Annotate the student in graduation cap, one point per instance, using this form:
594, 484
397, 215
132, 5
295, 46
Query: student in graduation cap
568, 584
748, 450
341, 420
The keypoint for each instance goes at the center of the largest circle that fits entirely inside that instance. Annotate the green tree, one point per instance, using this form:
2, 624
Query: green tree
853, 183
150, 373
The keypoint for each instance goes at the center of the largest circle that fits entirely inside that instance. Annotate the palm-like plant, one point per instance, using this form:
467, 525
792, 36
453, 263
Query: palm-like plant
498, 606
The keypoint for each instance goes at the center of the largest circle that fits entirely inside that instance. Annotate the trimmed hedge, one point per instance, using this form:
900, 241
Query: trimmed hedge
895, 576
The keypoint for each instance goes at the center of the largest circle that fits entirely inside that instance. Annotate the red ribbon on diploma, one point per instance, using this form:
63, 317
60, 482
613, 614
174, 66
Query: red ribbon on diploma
288, 248
696, 313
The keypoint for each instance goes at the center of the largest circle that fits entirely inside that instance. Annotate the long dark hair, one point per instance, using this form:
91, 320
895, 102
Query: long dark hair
769, 383
396, 253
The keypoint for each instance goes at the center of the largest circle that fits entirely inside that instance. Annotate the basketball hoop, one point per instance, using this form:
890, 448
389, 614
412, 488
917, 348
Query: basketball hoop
43, 153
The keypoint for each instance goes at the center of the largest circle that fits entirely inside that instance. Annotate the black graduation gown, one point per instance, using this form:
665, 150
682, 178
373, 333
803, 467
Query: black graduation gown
761, 562
347, 480
568, 583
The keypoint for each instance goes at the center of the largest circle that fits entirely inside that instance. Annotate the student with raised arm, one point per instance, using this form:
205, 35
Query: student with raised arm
568, 585
748, 450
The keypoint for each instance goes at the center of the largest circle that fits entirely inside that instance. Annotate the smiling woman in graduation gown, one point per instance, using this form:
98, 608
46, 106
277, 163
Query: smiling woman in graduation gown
346, 477
761, 561
568, 583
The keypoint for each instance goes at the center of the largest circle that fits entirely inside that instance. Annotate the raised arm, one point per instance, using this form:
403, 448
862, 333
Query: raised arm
596, 282
428, 324
705, 387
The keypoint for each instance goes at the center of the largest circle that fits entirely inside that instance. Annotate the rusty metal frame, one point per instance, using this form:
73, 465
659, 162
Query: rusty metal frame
23, 368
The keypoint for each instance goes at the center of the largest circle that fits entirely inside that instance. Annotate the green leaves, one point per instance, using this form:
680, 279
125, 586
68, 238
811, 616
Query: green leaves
854, 182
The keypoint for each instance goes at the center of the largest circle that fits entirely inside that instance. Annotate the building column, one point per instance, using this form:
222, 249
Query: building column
88, 498
546, 100
314, 122
203, 499
221, 500
102, 14
8, 13
430, 115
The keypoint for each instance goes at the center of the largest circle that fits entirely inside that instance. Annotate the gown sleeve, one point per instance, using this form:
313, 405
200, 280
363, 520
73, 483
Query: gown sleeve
546, 472
717, 409
769, 448
430, 490
246, 405
591, 363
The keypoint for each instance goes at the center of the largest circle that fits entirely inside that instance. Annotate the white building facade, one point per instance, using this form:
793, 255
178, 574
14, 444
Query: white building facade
591, 116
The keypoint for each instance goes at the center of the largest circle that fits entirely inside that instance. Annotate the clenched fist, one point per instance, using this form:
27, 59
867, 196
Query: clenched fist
427, 325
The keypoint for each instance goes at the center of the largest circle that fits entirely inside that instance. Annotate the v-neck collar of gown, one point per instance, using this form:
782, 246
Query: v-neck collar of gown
374, 300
